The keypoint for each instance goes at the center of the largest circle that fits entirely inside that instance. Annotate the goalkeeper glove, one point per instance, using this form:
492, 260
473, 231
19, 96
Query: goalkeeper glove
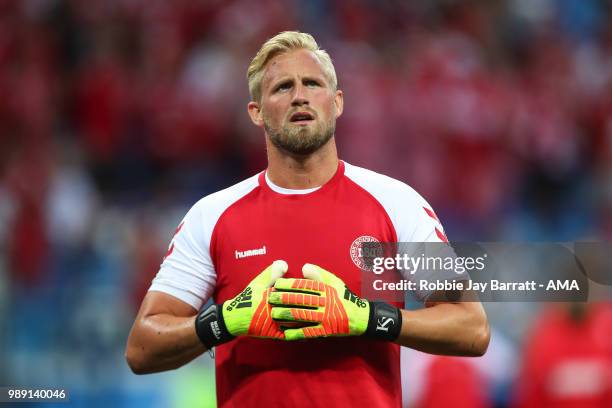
246, 314
325, 301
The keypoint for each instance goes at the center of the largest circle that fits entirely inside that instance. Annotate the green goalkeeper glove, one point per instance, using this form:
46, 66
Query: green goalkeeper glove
326, 302
246, 314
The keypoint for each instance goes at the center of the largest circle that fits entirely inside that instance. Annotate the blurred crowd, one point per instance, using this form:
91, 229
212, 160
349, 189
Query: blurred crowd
116, 116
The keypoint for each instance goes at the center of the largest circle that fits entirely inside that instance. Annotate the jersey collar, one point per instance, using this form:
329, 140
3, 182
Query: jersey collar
267, 184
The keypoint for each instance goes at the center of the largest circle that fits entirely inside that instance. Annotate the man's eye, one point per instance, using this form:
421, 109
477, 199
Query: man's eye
283, 87
312, 83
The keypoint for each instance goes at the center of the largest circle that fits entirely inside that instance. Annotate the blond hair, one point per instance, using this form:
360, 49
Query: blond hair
280, 44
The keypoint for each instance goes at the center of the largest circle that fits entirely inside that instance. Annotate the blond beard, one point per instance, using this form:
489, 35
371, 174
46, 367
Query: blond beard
300, 140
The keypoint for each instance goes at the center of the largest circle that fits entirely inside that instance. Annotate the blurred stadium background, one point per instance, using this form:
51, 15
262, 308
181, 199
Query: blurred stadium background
117, 115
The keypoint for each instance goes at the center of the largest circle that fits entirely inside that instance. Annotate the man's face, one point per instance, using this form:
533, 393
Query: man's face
298, 107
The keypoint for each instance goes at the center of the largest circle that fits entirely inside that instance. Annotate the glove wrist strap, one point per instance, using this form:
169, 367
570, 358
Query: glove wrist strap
210, 327
385, 322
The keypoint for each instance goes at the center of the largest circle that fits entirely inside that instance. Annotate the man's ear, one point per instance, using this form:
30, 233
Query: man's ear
255, 113
339, 102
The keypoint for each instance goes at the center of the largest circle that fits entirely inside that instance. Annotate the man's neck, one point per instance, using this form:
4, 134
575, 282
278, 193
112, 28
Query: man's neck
300, 172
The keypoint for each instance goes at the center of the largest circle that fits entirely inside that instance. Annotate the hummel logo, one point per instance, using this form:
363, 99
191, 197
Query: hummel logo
251, 252
383, 323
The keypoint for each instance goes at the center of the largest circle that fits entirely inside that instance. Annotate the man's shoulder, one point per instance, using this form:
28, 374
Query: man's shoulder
380, 185
220, 200
412, 216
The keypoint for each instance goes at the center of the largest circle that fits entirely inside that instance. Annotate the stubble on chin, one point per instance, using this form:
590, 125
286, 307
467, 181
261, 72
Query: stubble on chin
300, 140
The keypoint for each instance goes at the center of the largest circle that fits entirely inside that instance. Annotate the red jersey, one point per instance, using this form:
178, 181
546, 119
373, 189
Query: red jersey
568, 363
228, 237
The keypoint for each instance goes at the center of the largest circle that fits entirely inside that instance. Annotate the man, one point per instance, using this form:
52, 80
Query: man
306, 210
567, 361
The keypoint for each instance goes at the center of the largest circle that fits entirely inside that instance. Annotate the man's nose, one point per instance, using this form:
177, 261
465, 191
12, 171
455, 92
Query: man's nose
299, 96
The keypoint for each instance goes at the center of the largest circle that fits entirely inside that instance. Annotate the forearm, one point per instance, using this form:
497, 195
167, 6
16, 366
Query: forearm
162, 342
447, 328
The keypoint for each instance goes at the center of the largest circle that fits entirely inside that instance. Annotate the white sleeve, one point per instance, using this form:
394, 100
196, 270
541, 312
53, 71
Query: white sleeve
187, 271
424, 225
424, 237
